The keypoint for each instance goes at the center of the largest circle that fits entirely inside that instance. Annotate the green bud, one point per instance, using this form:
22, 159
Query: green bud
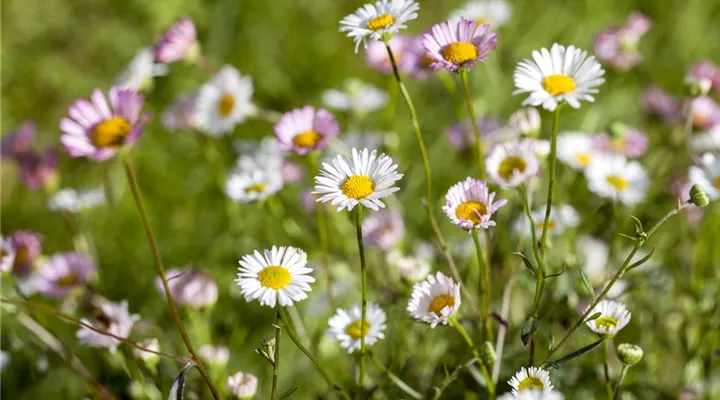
268, 342
629, 354
487, 353
698, 196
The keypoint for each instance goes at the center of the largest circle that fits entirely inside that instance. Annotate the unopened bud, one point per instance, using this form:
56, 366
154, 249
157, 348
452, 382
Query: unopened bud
268, 342
629, 354
487, 353
698, 196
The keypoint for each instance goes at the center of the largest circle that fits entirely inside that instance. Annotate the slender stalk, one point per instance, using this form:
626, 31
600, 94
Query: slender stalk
551, 184
606, 369
618, 387
318, 366
488, 286
322, 234
688, 128
363, 275
488, 379
276, 357
502, 330
135, 188
484, 295
471, 110
531, 353
539, 274
396, 380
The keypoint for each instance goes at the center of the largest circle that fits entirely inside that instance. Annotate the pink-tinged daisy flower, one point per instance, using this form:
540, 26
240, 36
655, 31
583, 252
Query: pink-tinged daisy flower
63, 273
7, 254
178, 116
376, 55
177, 43
626, 140
618, 46
303, 130
470, 205
19, 142
452, 45
97, 130
375, 22
657, 101
383, 229
112, 318
192, 288
705, 112
512, 163
28, 247
705, 74
38, 170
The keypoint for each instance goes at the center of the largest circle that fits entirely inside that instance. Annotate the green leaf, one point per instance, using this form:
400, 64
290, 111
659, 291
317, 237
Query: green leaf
593, 317
638, 225
642, 261
528, 264
558, 274
177, 390
528, 329
288, 393
579, 353
586, 283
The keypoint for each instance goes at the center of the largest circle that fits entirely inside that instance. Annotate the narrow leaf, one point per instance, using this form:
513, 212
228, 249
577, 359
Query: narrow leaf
528, 264
642, 261
177, 389
528, 329
638, 225
579, 353
586, 283
558, 274
288, 393
593, 317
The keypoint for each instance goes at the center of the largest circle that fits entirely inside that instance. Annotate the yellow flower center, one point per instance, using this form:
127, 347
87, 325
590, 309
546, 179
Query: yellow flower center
716, 182
380, 22
256, 188
558, 84
274, 277
437, 304
617, 182
111, 132
306, 139
67, 281
358, 187
471, 210
226, 105
530, 383
483, 20
353, 329
583, 159
509, 165
460, 52
550, 225
606, 322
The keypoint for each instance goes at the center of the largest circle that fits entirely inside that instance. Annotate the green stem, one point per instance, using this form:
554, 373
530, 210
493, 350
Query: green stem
363, 275
488, 379
396, 380
322, 235
551, 184
276, 357
318, 366
482, 284
135, 188
471, 110
606, 369
623, 372
488, 287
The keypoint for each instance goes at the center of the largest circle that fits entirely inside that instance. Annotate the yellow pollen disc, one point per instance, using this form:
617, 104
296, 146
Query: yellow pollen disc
306, 139
380, 22
716, 182
358, 187
353, 329
530, 383
471, 210
226, 105
426, 61
617, 182
274, 277
606, 322
111, 132
257, 188
619, 144
583, 159
460, 52
550, 225
509, 165
67, 280
437, 304
558, 84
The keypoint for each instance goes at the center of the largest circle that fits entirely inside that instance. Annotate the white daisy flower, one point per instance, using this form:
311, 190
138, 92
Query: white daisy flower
364, 179
141, 71
73, 201
224, 101
242, 385
558, 75
245, 186
533, 394
411, 268
434, 300
532, 378
613, 317
357, 97
470, 205
385, 17
562, 217
345, 326
112, 318
707, 176
707, 141
7, 254
616, 178
576, 149
512, 163
280, 275
492, 12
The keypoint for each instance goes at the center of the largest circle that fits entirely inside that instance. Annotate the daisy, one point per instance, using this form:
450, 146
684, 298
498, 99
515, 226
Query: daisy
533, 394
217, 355
613, 317
224, 101
141, 71
73, 201
532, 378
705, 112
178, 116
411, 268
706, 141
7, 255
577, 150
112, 318
357, 97
28, 247
345, 326
562, 217
452, 45
364, 179
19, 142
63, 273
525, 121
383, 229
492, 12
244, 186
303, 130
376, 55
512, 163
280, 275
242, 385
376, 22
617, 178
624, 140
558, 75
97, 130
434, 300
470, 205
177, 43
707, 176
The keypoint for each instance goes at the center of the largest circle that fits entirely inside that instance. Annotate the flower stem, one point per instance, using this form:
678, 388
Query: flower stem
539, 273
291, 334
488, 379
606, 368
482, 282
363, 276
276, 357
471, 110
396, 380
322, 234
551, 184
135, 188
618, 388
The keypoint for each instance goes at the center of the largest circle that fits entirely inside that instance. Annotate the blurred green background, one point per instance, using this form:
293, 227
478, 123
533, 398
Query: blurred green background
54, 51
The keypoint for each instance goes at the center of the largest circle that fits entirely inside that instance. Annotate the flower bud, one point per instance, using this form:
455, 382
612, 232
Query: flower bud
526, 121
268, 342
629, 354
487, 353
698, 196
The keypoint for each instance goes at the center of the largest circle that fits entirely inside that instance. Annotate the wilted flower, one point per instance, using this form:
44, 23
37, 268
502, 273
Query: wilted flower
618, 179
193, 288
140, 72
346, 326
178, 116
532, 378
376, 55
657, 101
383, 229
242, 385
492, 12
618, 46
63, 273
357, 97
178, 42
434, 300
71, 200
112, 318
512, 163
223, 102
469, 204
217, 355
27, 246
458, 45
19, 142
526, 121
376, 22
613, 317
303, 130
